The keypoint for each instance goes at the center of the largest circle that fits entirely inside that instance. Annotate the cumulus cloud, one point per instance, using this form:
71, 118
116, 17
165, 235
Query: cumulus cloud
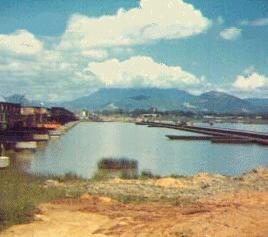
95, 53
69, 66
152, 20
251, 82
20, 42
49, 75
231, 33
141, 72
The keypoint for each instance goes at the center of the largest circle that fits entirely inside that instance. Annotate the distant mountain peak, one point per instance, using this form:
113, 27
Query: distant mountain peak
215, 93
161, 99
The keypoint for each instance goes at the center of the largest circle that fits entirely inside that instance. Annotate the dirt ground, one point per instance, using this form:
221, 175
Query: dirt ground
240, 214
241, 210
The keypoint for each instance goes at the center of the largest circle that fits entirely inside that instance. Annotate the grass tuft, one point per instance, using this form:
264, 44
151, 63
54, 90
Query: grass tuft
21, 193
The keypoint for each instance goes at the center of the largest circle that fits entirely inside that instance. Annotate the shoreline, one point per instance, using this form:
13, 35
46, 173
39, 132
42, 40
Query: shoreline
186, 194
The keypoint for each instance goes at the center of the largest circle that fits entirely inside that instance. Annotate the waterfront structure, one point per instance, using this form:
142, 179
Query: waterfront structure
61, 115
15, 116
33, 117
9, 115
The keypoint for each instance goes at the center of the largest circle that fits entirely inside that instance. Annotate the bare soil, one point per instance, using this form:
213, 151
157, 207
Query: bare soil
203, 205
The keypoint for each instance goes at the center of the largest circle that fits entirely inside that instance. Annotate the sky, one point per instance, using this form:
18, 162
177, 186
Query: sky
58, 50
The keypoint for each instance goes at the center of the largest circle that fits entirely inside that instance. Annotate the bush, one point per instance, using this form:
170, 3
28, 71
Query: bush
147, 174
20, 193
122, 163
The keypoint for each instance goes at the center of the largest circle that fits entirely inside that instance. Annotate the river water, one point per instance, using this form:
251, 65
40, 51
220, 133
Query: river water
82, 147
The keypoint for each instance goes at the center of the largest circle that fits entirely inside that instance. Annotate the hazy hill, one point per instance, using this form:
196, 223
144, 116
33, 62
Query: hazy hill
162, 99
258, 101
131, 98
221, 102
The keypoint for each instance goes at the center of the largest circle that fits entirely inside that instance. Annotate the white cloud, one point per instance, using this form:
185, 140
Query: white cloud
256, 22
251, 82
231, 33
141, 72
20, 42
152, 20
70, 66
95, 54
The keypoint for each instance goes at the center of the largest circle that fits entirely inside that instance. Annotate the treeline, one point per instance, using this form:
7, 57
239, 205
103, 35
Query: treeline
138, 112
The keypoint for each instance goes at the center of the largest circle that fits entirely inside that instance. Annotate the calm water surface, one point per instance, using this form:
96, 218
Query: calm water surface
82, 147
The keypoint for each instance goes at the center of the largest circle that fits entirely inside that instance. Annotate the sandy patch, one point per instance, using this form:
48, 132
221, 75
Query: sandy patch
242, 214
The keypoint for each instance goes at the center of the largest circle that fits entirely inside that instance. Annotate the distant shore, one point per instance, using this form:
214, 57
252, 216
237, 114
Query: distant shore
130, 119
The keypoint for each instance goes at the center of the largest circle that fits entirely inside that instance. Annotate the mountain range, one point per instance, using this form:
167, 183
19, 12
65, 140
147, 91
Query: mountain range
166, 100
130, 99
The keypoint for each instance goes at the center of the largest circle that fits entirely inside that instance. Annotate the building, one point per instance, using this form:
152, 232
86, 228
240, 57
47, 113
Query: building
14, 116
9, 115
61, 115
33, 117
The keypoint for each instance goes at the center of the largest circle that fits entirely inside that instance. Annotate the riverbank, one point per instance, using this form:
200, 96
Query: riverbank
200, 205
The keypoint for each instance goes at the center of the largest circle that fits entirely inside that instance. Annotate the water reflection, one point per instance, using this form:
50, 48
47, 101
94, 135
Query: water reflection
80, 150
21, 160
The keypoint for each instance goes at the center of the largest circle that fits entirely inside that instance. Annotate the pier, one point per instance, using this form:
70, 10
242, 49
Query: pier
215, 135
20, 139
190, 138
26, 127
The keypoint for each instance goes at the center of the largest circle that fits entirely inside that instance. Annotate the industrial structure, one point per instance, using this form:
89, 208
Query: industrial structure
10, 115
14, 116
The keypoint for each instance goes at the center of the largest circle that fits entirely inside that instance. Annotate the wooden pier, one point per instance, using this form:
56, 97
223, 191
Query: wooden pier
189, 138
216, 135
30, 138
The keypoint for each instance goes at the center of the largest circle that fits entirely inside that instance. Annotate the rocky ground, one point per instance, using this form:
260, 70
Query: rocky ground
201, 205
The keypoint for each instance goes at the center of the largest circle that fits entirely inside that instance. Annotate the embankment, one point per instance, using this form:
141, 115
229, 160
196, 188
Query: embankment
201, 205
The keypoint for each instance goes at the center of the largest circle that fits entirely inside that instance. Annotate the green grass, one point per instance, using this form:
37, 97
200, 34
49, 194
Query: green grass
21, 193
147, 174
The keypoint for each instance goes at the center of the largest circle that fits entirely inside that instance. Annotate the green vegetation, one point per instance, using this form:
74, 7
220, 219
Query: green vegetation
21, 193
177, 176
121, 163
116, 167
69, 177
147, 174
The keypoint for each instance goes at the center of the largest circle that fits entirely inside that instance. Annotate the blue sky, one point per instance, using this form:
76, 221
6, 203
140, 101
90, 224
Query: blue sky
60, 50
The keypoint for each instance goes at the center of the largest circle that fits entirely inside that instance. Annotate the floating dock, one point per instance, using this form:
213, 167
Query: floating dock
232, 140
31, 138
220, 135
189, 138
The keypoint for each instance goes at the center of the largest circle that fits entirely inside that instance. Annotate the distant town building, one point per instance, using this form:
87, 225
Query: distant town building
84, 114
149, 115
